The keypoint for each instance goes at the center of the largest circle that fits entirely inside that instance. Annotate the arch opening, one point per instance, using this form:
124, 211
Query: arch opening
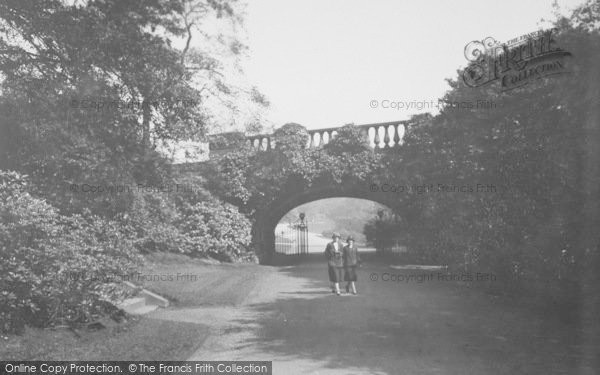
307, 228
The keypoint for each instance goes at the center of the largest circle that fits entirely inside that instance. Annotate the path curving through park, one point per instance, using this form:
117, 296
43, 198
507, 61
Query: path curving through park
430, 327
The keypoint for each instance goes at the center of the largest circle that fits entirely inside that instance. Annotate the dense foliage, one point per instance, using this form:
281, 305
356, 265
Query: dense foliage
535, 157
290, 137
55, 269
216, 228
91, 92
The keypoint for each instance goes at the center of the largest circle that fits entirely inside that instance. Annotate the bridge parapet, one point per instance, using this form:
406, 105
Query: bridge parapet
380, 135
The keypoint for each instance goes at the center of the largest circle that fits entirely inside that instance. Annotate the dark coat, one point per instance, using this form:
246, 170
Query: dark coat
334, 259
350, 256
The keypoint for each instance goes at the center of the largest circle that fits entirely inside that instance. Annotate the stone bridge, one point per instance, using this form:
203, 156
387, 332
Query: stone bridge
381, 136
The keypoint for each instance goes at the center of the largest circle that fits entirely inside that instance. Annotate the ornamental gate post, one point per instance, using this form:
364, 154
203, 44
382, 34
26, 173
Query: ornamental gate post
302, 235
293, 238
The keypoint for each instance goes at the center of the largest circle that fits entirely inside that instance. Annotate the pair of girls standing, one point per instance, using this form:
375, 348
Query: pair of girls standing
342, 260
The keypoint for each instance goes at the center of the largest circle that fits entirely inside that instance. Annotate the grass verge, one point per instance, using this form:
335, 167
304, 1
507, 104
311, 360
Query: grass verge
139, 338
189, 282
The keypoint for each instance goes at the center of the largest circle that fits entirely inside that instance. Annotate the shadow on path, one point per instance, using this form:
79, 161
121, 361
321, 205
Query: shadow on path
402, 328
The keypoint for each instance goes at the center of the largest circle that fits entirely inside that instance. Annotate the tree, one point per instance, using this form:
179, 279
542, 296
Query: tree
534, 147
90, 89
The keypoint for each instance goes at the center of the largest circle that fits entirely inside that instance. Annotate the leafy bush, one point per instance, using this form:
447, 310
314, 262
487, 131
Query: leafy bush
154, 213
217, 229
55, 269
291, 137
349, 139
232, 140
152, 216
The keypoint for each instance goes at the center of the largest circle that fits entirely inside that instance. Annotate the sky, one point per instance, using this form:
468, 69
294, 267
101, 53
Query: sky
326, 63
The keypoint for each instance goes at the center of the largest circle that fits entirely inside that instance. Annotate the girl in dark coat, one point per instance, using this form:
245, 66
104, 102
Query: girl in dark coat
335, 263
351, 261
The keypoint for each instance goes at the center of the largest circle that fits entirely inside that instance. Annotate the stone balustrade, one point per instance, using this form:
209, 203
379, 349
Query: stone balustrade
381, 135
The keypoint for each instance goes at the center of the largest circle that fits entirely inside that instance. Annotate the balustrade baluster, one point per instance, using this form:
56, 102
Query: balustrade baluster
386, 137
375, 137
397, 135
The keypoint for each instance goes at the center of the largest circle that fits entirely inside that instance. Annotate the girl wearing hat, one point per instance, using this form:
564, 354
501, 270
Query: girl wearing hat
351, 260
335, 263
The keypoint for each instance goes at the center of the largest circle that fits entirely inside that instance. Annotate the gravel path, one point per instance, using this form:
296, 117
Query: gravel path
434, 327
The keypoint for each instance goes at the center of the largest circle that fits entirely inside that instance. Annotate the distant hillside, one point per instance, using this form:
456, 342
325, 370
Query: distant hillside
344, 215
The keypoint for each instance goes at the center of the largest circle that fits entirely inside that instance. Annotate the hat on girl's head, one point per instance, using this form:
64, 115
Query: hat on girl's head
350, 238
335, 234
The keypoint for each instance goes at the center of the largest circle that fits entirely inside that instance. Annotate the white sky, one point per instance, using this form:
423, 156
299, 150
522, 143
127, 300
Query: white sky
321, 62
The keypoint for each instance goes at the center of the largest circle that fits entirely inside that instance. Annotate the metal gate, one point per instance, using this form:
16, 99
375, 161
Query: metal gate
293, 238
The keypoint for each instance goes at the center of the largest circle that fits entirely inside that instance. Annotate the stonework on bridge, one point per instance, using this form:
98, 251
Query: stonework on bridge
380, 135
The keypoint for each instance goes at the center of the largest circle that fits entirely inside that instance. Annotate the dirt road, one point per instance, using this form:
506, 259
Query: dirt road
430, 327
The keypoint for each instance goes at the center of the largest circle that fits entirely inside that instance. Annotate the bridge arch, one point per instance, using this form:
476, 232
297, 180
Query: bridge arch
267, 218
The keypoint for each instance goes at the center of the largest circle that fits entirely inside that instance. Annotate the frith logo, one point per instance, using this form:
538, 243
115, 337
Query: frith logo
516, 63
